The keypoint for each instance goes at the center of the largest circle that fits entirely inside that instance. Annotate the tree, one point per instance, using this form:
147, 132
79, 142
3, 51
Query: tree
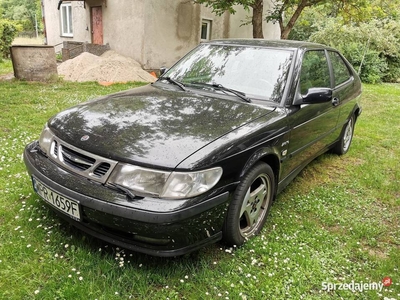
287, 12
221, 6
368, 36
282, 8
357, 11
315, 19
25, 12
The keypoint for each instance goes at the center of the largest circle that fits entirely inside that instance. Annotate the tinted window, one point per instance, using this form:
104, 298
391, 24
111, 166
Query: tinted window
314, 71
340, 69
258, 72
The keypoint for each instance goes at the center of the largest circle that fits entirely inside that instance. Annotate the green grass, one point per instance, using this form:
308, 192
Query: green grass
5, 66
337, 222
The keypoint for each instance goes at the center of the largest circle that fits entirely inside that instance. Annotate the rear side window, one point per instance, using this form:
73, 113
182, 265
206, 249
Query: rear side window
314, 71
340, 70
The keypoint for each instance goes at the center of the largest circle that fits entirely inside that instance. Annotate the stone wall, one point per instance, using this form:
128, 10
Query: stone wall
73, 49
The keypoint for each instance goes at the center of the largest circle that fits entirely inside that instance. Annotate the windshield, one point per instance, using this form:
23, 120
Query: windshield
260, 73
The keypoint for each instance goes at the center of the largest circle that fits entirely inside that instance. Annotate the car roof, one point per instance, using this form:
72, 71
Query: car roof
289, 44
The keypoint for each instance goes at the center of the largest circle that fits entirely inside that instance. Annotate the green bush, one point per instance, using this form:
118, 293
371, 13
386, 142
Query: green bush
367, 62
393, 72
8, 31
373, 48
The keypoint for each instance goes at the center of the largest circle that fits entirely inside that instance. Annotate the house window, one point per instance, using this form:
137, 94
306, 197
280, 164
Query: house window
205, 30
66, 19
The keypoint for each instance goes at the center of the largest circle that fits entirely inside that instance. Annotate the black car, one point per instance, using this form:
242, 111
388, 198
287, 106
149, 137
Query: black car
199, 155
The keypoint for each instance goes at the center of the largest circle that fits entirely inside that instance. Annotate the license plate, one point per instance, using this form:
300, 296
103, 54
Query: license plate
67, 206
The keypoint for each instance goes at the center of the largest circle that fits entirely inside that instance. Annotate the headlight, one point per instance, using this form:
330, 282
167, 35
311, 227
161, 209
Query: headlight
45, 139
140, 180
184, 185
172, 185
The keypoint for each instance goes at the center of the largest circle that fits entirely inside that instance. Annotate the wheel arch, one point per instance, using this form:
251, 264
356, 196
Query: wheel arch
274, 162
265, 155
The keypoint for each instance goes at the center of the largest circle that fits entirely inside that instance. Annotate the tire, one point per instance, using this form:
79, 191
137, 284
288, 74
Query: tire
249, 207
343, 145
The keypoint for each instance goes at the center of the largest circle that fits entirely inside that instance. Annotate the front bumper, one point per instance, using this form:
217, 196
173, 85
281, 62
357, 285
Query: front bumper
149, 225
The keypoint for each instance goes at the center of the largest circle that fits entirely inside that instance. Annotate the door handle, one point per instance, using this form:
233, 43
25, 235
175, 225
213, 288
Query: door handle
335, 101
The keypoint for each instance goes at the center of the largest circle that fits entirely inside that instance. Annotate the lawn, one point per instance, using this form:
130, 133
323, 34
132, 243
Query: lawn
5, 67
337, 223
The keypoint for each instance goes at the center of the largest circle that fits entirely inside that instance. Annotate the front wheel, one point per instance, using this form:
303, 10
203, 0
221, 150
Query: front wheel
343, 145
249, 207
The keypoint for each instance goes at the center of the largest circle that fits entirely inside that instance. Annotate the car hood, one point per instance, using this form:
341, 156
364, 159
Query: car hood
151, 126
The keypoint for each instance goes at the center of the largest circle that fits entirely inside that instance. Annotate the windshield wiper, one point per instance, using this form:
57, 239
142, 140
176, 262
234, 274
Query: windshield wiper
127, 192
241, 95
220, 87
176, 82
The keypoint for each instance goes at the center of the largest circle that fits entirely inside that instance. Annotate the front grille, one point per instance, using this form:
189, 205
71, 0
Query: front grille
102, 169
76, 160
55, 148
81, 162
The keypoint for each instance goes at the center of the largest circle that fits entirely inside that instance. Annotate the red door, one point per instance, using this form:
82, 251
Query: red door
97, 25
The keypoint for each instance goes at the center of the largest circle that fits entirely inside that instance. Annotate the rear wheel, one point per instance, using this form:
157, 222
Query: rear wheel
249, 207
343, 145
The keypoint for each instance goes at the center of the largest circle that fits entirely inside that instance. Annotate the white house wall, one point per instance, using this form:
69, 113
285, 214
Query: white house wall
271, 31
172, 29
153, 32
123, 27
53, 28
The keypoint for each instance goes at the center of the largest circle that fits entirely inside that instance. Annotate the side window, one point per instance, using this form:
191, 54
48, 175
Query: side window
314, 71
340, 70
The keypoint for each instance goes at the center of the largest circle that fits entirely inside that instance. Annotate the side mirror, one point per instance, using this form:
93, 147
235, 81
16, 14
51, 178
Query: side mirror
315, 95
163, 70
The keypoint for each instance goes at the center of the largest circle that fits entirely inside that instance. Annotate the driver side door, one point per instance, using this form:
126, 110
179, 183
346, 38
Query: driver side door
312, 125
